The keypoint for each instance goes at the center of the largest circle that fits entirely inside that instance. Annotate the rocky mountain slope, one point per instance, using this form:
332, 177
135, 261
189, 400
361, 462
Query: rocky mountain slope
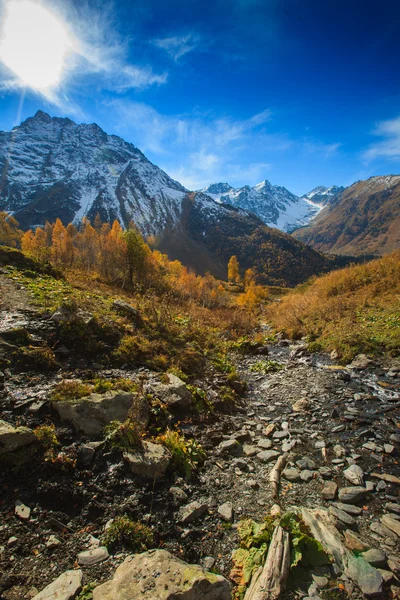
273, 204
362, 219
52, 167
322, 195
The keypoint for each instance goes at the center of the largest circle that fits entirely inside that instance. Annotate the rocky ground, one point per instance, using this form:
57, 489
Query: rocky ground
338, 425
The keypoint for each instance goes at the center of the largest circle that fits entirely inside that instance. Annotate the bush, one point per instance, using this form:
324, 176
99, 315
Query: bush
46, 435
122, 435
187, 455
70, 389
129, 534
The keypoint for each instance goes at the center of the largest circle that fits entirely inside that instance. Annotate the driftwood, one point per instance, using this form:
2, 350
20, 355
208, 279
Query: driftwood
268, 582
275, 475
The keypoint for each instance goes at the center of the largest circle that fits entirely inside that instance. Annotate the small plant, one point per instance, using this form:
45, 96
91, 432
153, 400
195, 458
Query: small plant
46, 435
201, 402
187, 455
122, 435
266, 366
41, 359
178, 373
70, 389
127, 533
87, 591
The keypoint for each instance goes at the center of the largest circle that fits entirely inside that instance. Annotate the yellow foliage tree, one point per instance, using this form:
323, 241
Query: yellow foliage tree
233, 270
10, 235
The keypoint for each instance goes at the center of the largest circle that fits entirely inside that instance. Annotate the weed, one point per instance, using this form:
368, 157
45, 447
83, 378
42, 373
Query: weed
266, 366
38, 358
124, 532
70, 389
87, 591
124, 435
187, 455
201, 401
46, 435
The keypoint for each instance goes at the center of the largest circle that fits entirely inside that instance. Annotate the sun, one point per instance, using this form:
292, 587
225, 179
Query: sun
33, 44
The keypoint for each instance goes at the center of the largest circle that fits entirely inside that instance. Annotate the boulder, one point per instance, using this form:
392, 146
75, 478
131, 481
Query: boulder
192, 511
158, 574
173, 392
127, 310
301, 405
361, 362
368, 579
354, 474
71, 314
91, 414
92, 557
329, 490
150, 461
352, 495
65, 587
13, 440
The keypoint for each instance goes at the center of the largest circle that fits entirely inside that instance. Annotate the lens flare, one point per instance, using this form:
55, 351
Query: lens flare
33, 44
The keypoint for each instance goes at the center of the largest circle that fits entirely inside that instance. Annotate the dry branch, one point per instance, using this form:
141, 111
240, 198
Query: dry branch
275, 474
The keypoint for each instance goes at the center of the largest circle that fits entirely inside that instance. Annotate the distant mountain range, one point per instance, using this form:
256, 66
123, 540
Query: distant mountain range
364, 218
52, 167
273, 204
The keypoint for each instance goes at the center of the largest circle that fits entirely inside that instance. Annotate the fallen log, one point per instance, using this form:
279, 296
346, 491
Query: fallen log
275, 475
268, 582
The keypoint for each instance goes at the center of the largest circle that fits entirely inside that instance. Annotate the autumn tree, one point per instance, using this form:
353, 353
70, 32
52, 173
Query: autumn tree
249, 278
137, 254
10, 235
233, 270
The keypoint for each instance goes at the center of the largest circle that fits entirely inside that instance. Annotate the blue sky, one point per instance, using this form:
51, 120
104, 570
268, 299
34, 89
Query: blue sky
301, 93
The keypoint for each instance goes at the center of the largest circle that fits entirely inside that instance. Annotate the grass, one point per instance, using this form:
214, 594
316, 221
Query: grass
353, 310
266, 366
129, 534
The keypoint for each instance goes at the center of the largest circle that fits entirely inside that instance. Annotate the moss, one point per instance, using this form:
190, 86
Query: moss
129, 534
37, 359
17, 336
70, 390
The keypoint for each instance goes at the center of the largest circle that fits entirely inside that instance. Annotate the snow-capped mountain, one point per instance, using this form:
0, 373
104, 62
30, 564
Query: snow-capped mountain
52, 167
273, 204
323, 195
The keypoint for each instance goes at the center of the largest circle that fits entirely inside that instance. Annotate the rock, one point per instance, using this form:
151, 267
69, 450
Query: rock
291, 474
230, 447
387, 576
85, 456
388, 448
71, 314
127, 310
387, 477
65, 587
268, 455
269, 430
150, 461
361, 362
393, 507
241, 464
301, 405
341, 518
92, 557
349, 508
22, 511
13, 439
208, 562
352, 542
178, 495
250, 450
325, 472
280, 435
352, 495
225, 511
191, 512
329, 490
354, 474
91, 414
320, 582
376, 558
394, 565
306, 463
368, 579
391, 523
265, 444
173, 393
381, 486
158, 574
383, 531
52, 542
306, 475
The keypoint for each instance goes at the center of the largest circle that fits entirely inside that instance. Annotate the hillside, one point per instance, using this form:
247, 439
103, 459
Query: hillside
53, 168
363, 219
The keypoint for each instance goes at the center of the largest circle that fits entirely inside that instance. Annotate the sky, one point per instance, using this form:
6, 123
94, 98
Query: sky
299, 92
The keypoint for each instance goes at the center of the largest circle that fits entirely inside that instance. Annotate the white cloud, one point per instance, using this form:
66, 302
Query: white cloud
178, 45
390, 146
326, 150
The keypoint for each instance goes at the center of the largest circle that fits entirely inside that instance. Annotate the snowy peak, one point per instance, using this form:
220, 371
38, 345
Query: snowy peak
273, 204
323, 195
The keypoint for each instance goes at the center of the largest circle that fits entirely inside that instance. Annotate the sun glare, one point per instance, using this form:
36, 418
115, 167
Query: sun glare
33, 44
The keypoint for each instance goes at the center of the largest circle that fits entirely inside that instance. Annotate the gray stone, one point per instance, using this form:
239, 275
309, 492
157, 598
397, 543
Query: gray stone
280, 435
352, 542
361, 362
208, 562
230, 447
13, 439
250, 450
301, 405
92, 557
382, 531
265, 444
349, 508
174, 394
352, 495
127, 310
241, 464
22, 511
85, 456
225, 511
386, 575
329, 490
191, 512
320, 582
376, 558
393, 507
325, 472
158, 574
306, 475
291, 474
150, 461
70, 314
391, 523
65, 587
306, 463
91, 414
52, 542
342, 519
178, 494
354, 474
381, 486
368, 579
268, 455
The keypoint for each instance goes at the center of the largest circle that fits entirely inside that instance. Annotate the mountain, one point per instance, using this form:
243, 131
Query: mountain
53, 167
273, 204
322, 195
362, 219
